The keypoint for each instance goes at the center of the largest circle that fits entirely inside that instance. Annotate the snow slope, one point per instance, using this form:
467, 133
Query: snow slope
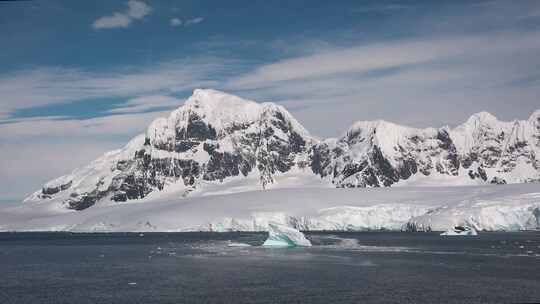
488, 207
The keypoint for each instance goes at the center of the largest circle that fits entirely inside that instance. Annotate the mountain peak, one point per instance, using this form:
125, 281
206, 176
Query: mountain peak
371, 126
219, 109
482, 117
210, 97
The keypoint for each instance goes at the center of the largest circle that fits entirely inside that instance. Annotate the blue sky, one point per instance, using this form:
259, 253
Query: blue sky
78, 78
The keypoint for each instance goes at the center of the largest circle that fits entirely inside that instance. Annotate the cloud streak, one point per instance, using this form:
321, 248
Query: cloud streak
58, 128
193, 21
147, 103
45, 85
175, 22
368, 58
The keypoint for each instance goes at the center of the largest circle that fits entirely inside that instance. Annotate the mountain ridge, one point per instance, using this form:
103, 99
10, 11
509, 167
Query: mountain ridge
215, 136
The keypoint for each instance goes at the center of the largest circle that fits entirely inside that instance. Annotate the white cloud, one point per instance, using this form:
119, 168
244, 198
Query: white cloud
116, 20
429, 82
367, 58
136, 10
175, 22
193, 21
43, 86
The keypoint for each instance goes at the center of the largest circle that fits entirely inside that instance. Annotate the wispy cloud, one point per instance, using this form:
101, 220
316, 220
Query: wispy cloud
45, 85
53, 128
193, 21
174, 22
147, 103
136, 10
367, 58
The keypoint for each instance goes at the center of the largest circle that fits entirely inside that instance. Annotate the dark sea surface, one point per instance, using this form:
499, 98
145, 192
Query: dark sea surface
369, 267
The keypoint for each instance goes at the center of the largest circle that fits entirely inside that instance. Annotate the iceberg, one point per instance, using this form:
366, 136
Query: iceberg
283, 236
460, 230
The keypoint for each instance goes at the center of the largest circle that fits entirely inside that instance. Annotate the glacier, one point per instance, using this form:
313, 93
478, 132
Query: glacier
511, 207
284, 236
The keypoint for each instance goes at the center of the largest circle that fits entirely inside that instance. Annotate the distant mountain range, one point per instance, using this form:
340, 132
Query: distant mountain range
216, 137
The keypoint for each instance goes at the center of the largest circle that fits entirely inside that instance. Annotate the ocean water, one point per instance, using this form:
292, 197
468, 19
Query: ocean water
369, 267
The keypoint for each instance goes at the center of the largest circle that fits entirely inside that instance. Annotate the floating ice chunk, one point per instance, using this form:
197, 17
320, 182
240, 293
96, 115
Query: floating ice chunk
283, 236
460, 230
234, 244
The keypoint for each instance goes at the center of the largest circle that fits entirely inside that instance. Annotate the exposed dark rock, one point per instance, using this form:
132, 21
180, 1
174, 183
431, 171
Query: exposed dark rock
185, 145
498, 181
54, 190
196, 129
83, 201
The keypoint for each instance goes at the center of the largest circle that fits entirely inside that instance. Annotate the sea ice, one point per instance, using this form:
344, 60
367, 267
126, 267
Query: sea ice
283, 236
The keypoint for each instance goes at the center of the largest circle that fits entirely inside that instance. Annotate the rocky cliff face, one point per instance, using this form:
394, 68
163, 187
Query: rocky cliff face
215, 136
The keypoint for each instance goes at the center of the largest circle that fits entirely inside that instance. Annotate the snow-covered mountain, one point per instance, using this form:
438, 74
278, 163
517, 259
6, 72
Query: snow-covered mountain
212, 137
482, 150
216, 139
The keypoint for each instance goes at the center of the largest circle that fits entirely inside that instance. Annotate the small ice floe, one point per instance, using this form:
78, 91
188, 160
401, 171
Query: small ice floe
460, 231
283, 236
141, 234
234, 244
132, 283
